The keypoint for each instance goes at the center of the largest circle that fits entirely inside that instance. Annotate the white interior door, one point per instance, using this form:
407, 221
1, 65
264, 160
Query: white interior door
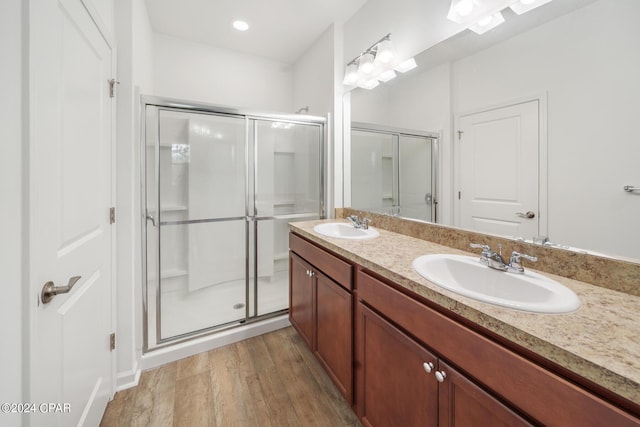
499, 170
70, 195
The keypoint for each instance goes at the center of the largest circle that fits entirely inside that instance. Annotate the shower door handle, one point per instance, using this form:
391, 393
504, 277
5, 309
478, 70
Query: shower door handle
428, 199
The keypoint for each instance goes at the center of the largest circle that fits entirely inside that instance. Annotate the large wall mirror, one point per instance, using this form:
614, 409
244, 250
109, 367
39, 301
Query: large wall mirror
537, 116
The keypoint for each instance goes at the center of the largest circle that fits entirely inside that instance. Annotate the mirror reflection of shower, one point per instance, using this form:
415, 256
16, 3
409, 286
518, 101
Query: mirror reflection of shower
393, 171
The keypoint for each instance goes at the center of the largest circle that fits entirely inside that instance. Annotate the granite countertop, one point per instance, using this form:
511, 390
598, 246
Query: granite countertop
600, 341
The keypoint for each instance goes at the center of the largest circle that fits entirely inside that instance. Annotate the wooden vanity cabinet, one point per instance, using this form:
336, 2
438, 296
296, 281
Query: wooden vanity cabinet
397, 384
491, 384
321, 308
392, 387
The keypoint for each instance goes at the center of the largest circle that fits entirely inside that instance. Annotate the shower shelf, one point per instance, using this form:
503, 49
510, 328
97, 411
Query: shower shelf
169, 274
171, 208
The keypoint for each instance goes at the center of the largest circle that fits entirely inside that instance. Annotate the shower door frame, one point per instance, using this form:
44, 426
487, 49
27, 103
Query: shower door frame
251, 118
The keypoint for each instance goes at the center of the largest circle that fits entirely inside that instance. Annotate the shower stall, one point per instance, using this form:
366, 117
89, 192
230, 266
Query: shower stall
394, 171
219, 188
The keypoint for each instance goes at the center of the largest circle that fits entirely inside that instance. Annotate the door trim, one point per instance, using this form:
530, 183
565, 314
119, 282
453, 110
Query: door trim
541, 97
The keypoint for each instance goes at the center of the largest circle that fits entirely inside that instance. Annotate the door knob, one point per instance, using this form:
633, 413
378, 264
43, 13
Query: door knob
49, 290
529, 214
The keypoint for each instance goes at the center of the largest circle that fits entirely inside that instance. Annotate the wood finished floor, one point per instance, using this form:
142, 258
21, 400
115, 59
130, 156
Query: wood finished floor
270, 380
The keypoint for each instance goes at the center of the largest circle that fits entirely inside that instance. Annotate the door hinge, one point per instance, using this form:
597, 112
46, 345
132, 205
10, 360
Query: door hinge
112, 341
112, 88
459, 195
112, 215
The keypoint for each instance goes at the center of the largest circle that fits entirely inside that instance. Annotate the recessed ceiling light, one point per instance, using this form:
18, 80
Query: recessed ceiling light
240, 25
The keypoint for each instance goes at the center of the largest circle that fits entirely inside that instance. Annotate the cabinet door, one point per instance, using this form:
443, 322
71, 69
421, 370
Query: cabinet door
334, 333
463, 404
301, 299
393, 387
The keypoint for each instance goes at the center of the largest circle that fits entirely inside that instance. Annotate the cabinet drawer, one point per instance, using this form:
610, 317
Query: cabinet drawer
543, 395
332, 266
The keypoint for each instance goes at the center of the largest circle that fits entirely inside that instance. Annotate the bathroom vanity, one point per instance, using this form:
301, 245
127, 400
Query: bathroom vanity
404, 351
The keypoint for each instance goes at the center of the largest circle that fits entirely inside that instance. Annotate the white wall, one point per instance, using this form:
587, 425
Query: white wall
14, 290
317, 83
135, 53
198, 72
584, 62
313, 77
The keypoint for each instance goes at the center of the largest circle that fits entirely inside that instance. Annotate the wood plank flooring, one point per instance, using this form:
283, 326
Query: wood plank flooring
269, 380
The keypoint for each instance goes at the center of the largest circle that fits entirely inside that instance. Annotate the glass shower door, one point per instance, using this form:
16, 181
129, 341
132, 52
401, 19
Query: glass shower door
374, 170
220, 187
196, 222
285, 187
417, 177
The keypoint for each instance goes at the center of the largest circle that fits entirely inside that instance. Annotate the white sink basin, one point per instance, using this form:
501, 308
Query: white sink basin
344, 230
466, 276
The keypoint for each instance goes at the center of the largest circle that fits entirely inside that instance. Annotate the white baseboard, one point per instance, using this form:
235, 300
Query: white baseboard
125, 380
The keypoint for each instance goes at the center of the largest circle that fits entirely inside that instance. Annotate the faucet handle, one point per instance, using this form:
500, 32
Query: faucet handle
515, 265
486, 251
515, 256
365, 223
485, 248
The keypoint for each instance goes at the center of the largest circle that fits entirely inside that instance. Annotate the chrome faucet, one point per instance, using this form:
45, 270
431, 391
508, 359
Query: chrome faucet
515, 265
494, 259
364, 224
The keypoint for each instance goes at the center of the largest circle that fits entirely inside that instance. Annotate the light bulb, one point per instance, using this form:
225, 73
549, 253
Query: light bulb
384, 54
464, 8
366, 64
240, 25
351, 74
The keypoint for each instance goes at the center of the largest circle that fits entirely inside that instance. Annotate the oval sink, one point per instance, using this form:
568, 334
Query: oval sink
344, 230
465, 275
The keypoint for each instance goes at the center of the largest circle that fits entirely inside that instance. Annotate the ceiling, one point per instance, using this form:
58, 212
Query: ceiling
279, 29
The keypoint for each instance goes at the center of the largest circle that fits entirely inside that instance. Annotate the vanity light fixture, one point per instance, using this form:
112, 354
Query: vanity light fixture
468, 12
522, 6
487, 23
482, 15
376, 64
351, 76
406, 65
